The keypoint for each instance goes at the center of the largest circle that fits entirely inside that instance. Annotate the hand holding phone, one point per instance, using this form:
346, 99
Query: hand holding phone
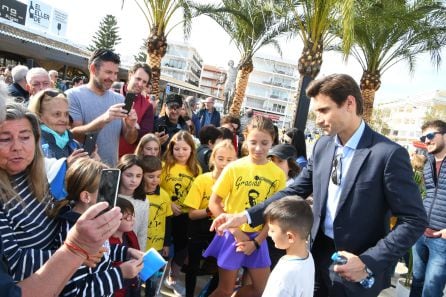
162, 128
109, 186
90, 143
129, 98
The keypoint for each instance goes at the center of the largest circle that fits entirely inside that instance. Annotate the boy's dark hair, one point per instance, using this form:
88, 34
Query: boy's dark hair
291, 213
76, 80
151, 164
125, 206
438, 124
225, 133
338, 87
103, 55
209, 133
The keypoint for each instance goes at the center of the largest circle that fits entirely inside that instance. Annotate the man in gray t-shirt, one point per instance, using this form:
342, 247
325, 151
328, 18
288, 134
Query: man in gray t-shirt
95, 108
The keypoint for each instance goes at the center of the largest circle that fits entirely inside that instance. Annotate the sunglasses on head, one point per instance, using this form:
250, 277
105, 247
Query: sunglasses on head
173, 106
429, 136
52, 93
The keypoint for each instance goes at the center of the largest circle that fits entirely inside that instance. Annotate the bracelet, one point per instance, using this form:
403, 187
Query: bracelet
76, 249
208, 212
257, 245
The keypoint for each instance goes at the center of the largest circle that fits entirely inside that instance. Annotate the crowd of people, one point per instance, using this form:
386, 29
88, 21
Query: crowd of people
185, 171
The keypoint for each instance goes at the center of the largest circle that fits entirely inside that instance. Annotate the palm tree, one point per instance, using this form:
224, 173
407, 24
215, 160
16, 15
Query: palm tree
313, 23
158, 14
251, 24
387, 32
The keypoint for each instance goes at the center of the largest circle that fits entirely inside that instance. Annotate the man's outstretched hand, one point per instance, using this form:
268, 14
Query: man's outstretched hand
225, 221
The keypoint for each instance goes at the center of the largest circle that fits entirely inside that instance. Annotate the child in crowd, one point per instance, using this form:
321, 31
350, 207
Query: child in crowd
125, 236
131, 187
82, 182
243, 184
290, 220
208, 135
197, 200
149, 145
284, 155
179, 171
159, 230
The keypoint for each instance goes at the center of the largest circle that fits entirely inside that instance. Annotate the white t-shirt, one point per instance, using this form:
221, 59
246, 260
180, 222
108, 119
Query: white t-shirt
292, 277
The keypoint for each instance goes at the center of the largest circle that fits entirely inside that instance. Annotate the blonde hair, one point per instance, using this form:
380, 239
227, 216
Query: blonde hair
169, 159
139, 151
418, 161
227, 144
39, 101
35, 171
83, 175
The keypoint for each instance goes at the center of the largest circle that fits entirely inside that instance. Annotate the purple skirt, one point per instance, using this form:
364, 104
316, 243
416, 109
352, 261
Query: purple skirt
223, 249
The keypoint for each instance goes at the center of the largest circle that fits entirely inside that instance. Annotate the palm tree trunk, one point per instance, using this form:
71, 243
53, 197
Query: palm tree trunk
240, 89
156, 49
309, 65
154, 61
370, 83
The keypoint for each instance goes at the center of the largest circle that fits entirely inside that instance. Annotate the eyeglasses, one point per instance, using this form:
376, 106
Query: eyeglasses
336, 172
129, 218
173, 106
44, 84
429, 136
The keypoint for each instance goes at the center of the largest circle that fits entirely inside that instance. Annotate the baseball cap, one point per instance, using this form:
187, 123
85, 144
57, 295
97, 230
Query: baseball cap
174, 98
283, 151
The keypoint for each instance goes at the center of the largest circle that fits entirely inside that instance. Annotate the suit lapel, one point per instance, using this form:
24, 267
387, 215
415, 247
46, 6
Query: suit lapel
323, 175
360, 155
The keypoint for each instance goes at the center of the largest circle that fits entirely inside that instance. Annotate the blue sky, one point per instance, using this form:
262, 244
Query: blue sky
215, 47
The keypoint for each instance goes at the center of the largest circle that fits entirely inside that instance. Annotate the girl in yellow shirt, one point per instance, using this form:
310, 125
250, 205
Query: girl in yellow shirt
179, 171
243, 184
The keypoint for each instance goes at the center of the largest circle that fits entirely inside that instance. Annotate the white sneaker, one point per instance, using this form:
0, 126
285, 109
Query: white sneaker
176, 287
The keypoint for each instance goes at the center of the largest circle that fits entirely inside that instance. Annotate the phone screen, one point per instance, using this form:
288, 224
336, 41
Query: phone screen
162, 128
129, 98
108, 186
90, 143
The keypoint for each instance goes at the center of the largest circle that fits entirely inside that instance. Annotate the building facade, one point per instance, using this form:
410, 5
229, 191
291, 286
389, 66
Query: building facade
402, 118
182, 62
272, 89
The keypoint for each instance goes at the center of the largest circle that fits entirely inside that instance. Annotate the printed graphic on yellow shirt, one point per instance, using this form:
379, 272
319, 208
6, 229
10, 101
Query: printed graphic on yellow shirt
159, 210
177, 183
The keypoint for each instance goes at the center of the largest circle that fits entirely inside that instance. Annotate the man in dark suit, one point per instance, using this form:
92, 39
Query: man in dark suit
358, 178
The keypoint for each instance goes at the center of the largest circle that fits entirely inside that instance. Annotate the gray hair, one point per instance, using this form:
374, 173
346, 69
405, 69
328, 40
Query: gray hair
19, 72
36, 72
4, 98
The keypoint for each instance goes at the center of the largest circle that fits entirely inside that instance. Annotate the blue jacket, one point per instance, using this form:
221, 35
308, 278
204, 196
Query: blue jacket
215, 118
435, 201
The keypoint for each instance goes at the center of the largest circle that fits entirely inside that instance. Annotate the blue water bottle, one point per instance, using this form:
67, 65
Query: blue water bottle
367, 283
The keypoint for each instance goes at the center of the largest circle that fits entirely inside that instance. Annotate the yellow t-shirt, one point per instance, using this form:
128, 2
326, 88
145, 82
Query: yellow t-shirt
160, 209
200, 192
245, 184
177, 183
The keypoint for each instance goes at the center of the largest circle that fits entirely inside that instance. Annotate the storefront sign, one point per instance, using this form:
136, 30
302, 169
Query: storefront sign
13, 10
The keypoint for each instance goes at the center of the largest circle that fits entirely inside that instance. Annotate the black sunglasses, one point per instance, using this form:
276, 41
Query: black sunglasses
429, 136
336, 172
53, 93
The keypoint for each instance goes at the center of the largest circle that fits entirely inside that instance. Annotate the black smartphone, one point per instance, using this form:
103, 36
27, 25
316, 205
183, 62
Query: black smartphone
162, 128
129, 98
109, 186
90, 142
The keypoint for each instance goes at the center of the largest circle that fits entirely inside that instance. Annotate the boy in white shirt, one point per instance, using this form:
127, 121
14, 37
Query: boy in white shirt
289, 220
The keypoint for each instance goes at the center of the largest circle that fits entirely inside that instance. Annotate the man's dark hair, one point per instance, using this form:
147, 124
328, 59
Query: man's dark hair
145, 67
291, 213
438, 124
338, 87
76, 80
209, 133
103, 55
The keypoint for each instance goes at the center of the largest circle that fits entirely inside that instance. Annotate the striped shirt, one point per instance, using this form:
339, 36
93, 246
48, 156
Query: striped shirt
26, 232
102, 280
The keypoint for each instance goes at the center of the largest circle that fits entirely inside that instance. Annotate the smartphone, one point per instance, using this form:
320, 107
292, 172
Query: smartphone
162, 128
129, 98
90, 142
109, 186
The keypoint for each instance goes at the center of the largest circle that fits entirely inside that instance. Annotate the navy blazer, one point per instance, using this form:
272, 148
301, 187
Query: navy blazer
378, 184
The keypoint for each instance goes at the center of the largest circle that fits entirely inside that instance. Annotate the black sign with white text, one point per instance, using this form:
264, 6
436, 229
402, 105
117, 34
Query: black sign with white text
14, 11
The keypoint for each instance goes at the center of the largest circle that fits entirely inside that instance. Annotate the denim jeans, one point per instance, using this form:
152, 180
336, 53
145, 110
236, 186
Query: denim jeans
429, 267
